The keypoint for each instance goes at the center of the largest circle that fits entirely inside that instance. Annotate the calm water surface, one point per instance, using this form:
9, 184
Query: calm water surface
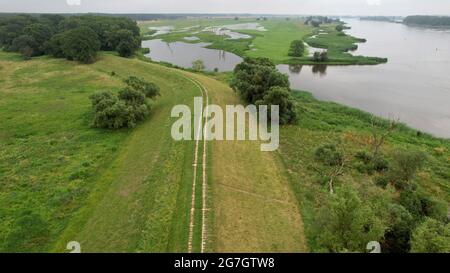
413, 86
183, 54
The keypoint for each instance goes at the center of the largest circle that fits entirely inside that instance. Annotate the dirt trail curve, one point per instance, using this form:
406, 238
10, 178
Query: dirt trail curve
202, 123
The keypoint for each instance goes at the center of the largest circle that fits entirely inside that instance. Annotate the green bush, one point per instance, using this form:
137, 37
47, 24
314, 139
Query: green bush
126, 109
364, 156
397, 237
381, 181
329, 155
406, 164
110, 112
431, 236
149, 89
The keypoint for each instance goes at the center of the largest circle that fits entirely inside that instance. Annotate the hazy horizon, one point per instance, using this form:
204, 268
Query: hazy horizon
275, 7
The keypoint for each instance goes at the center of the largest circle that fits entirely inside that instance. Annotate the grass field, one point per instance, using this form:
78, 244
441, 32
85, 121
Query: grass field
112, 191
127, 190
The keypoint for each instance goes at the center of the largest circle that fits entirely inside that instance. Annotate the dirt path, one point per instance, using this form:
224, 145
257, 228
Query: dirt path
201, 123
253, 204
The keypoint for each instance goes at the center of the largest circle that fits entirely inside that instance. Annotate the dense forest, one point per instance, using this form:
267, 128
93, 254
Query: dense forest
75, 38
428, 20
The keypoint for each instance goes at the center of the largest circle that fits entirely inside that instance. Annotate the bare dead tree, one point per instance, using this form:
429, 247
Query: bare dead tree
335, 171
380, 134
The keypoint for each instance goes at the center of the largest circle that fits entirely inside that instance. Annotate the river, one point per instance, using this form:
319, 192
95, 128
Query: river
414, 86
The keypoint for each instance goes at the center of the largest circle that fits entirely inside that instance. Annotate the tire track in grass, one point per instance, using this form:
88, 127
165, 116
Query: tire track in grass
202, 123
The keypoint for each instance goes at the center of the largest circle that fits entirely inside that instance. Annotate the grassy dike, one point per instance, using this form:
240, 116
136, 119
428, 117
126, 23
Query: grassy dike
127, 190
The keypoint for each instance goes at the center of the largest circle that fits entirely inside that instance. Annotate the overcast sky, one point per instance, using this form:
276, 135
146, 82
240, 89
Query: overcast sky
343, 7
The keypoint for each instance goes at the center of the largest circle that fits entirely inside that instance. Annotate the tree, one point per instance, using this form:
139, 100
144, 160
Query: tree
297, 48
253, 79
198, 65
80, 44
431, 236
26, 45
127, 43
320, 56
334, 160
282, 97
149, 89
41, 34
54, 47
346, 224
339, 27
380, 132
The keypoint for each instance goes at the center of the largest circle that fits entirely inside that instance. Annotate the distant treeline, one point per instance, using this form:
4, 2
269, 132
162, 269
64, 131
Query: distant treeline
72, 37
428, 20
381, 18
143, 16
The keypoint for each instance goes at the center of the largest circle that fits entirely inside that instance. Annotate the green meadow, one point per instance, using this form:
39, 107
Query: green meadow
274, 43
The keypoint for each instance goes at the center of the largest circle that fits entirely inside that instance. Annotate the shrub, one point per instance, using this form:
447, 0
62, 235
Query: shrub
398, 234
329, 155
110, 112
431, 236
346, 223
149, 89
407, 163
380, 164
381, 181
198, 65
364, 156
137, 105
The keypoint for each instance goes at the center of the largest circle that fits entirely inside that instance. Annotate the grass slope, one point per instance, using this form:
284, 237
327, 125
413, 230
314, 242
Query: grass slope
112, 191
325, 122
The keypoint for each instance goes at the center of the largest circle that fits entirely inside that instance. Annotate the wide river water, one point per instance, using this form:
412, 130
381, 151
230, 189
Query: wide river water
414, 86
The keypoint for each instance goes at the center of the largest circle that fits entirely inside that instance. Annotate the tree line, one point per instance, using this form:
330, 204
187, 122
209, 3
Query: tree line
77, 38
427, 20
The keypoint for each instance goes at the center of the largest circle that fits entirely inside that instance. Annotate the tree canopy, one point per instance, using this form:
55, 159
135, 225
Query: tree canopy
44, 34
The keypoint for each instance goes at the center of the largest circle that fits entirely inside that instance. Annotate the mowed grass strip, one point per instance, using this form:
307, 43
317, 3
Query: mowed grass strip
253, 205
